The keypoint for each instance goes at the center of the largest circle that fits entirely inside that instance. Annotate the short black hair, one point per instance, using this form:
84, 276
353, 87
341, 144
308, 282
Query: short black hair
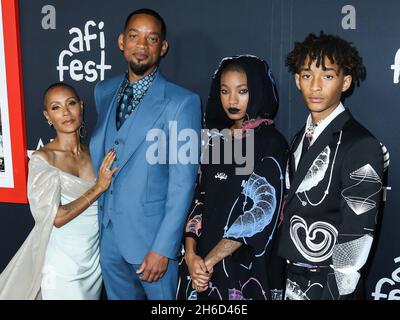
57, 85
152, 13
338, 51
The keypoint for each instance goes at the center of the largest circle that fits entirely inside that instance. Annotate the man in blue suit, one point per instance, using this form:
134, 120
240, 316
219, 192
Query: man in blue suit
143, 212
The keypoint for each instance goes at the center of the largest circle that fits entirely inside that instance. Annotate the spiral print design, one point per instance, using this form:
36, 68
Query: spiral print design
311, 250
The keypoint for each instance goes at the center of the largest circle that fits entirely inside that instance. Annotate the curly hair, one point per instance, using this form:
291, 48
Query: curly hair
337, 50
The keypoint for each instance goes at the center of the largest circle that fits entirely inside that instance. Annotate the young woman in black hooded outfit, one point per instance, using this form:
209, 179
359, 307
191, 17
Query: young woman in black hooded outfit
233, 220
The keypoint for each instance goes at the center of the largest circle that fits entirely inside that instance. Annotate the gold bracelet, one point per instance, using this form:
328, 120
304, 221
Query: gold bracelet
86, 199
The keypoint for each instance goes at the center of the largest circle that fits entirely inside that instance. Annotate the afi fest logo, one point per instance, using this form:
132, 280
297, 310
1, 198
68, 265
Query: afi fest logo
89, 39
396, 67
386, 284
84, 41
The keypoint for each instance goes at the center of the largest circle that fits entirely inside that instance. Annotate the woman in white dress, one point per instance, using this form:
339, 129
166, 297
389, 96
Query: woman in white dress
60, 257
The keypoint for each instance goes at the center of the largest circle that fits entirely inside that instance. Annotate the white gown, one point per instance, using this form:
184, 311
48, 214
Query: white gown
71, 267
55, 263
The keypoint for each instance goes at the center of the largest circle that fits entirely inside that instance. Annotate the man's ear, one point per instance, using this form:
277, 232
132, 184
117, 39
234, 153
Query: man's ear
297, 79
121, 41
164, 48
347, 80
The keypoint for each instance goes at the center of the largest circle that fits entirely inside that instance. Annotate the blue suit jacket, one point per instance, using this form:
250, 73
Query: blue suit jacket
147, 203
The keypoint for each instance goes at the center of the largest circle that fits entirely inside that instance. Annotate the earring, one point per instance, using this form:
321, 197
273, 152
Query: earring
50, 123
82, 130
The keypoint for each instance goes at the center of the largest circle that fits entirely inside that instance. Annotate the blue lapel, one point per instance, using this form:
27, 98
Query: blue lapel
146, 114
109, 94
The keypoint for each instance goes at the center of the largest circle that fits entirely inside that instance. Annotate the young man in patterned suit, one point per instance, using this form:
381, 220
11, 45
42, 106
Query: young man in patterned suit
334, 176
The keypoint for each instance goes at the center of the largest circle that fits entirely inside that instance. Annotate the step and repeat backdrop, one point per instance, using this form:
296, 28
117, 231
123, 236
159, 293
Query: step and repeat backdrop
76, 42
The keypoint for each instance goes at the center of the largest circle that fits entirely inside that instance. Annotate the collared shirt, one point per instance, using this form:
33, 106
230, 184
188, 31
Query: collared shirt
131, 95
318, 130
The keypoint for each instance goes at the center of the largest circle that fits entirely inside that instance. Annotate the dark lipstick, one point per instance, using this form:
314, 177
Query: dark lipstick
233, 110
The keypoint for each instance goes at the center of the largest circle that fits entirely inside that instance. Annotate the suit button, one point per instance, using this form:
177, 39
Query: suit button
111, 192
116, 142
101, 208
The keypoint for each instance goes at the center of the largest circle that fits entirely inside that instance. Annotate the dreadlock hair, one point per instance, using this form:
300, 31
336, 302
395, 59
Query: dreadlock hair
337, 50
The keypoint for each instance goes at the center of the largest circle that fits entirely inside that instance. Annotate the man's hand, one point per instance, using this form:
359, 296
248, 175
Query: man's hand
153, 267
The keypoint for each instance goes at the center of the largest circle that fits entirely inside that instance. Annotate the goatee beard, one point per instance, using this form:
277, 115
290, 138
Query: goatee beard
139, 69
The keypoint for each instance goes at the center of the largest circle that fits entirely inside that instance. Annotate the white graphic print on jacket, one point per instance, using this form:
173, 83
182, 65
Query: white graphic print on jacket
354, 200
260, 214
316, 172
311, 250
294, 292
347, 259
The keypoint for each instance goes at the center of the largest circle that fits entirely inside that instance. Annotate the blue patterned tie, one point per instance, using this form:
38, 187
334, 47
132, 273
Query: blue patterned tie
133, 93
125, 107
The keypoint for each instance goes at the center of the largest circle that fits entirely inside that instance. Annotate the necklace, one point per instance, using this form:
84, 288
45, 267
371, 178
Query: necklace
311, 128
